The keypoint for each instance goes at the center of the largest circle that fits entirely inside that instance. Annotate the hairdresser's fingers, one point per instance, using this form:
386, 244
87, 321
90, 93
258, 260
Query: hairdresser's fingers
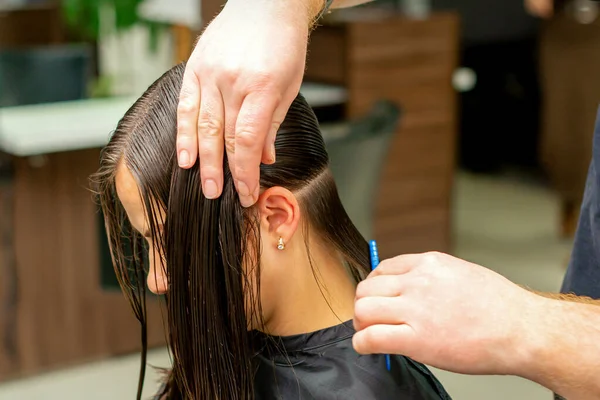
385, 339
268, 155
378, 310
187, 118
251, 129
380, 286
232, 110
398, 265
210, 141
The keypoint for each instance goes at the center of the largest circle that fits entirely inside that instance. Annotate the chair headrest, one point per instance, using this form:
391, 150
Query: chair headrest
382, 119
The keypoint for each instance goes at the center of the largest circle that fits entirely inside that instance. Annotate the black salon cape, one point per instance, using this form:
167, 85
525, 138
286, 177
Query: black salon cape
323, 365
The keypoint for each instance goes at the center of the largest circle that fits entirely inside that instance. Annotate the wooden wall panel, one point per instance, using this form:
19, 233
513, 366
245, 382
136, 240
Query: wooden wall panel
16, 26
326, 60
7, 291
410, 62
64, 317
210, 9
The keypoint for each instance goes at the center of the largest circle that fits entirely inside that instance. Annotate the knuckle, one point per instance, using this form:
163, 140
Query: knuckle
230, 144
385, 264
361, 290
385, 267
275, 125
210, 126
246, 138
262, 81
361, 310
185, 137
186, 106
230, 73
422, 281
187, 86
432, 257
398, 282
206, 152
257, 79
242, 172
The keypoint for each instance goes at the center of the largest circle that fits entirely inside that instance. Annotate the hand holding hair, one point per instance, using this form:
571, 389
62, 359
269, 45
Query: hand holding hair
461, 317
239, 82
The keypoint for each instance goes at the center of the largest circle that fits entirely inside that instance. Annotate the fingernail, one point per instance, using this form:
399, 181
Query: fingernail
272, 151
210, 189
243, 189
246, 201
184, 158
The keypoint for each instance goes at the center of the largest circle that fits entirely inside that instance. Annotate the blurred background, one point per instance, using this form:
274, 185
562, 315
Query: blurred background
488, 162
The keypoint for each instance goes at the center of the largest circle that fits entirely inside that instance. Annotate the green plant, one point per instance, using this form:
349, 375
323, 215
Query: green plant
84, 17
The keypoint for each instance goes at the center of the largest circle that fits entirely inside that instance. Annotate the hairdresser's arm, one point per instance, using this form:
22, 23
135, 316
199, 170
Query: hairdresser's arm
239, 82
540, 8
464, 318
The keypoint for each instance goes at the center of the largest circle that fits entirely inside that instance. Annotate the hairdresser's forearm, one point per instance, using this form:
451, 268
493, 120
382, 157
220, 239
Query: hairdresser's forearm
347, 3
563, 348
316, 6
297, 12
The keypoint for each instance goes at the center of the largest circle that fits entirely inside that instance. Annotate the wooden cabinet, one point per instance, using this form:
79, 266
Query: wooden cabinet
411, 62
55, 312
35, 25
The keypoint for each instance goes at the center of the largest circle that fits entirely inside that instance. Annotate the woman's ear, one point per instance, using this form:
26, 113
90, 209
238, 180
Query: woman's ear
279, 213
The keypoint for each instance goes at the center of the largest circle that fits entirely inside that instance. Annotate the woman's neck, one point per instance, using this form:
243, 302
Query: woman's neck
306, 293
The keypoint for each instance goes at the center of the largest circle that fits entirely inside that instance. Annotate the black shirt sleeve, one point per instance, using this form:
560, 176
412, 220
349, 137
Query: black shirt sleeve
583, 274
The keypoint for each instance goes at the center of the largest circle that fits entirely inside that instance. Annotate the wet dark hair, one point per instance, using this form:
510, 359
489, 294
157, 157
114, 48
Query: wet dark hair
205, 242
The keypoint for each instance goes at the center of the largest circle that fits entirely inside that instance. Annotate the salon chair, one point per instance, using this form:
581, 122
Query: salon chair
358, 150
44, 74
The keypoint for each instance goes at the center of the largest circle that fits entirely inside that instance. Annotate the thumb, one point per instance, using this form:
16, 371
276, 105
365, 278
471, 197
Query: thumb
385, 339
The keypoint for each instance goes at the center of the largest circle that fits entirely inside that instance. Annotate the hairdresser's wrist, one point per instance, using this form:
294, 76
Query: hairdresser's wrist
549, 343
297, 12
528, 349
563, 350
513, 339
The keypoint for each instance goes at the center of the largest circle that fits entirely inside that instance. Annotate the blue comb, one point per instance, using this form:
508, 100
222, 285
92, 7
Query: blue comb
374, 264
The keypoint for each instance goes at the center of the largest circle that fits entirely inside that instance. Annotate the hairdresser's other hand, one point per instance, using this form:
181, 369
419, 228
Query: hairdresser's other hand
239, 82
540, 8
447, 313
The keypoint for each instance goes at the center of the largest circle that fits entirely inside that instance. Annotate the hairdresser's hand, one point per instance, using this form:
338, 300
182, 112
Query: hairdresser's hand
238, 85
540, 8
447, 313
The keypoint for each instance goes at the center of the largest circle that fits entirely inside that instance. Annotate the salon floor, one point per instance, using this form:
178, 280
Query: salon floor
506, 223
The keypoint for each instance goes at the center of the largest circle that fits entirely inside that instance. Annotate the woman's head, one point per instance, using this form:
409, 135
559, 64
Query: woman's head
210, 256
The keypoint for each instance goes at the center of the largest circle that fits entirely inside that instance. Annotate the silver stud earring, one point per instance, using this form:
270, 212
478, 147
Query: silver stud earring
280, 244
